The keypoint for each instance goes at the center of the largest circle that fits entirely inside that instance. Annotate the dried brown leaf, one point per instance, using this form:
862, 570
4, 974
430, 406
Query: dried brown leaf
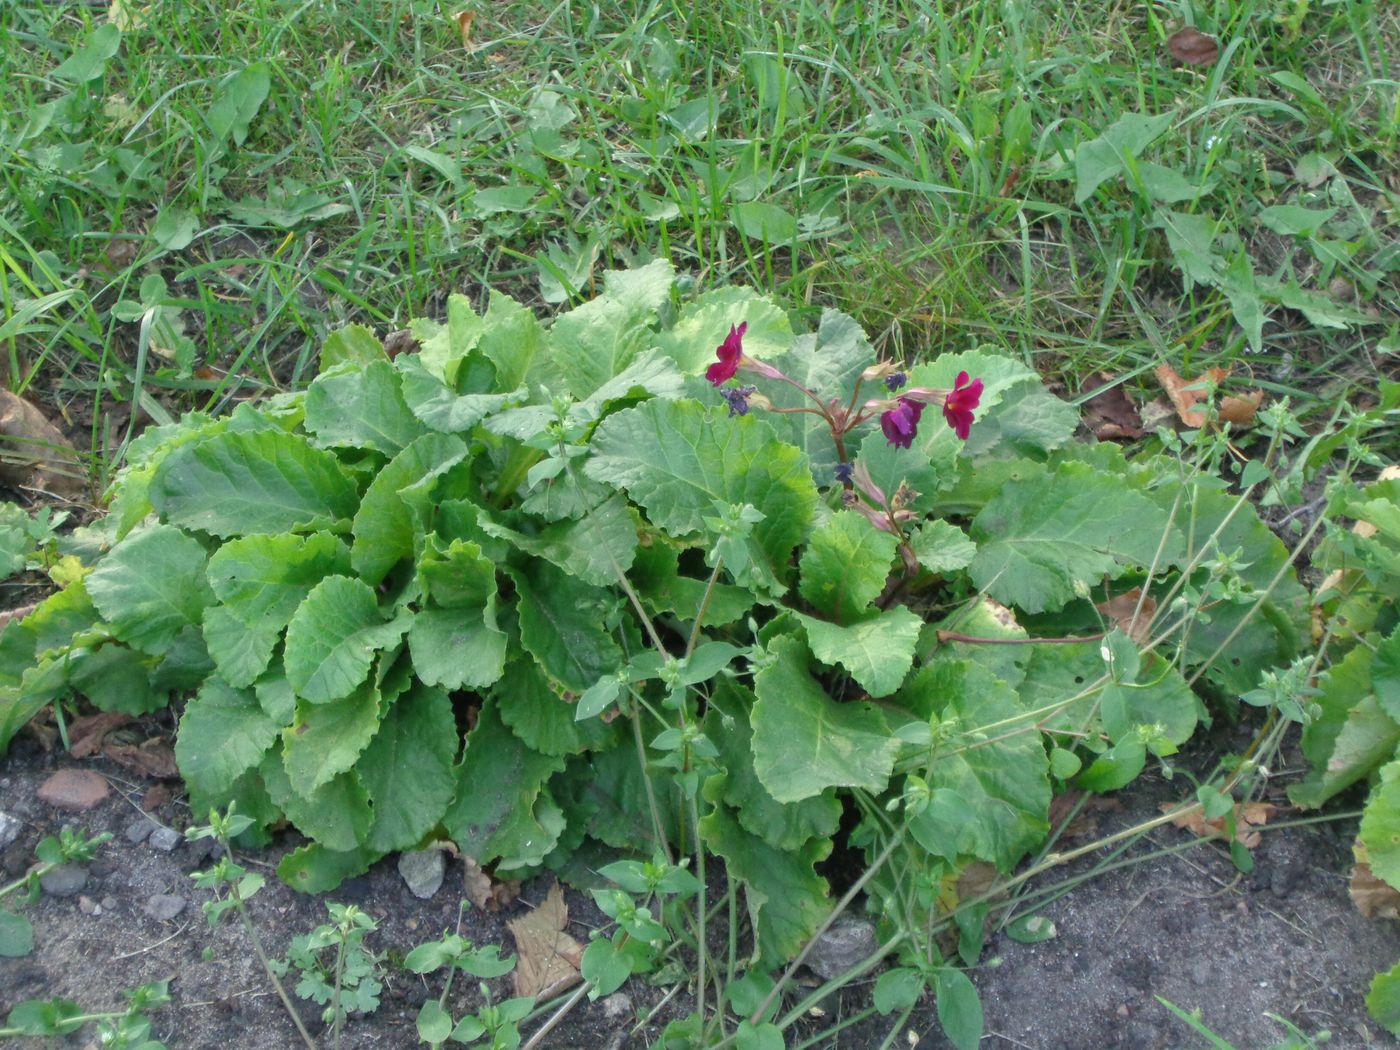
1187, 394
548, 958
1374, 898
1247, 816
1119, 610
152, 758
1111, 414
1191, 46
86, 734
33, 454
464, 23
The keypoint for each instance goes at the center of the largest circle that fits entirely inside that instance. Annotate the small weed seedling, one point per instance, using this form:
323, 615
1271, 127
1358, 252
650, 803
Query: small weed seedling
346, 983
71, 847
125, 1029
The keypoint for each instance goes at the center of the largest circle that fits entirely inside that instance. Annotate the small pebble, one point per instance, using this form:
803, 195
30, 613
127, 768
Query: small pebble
617, 1006
422, 871
164, 906
108, 903
165, 839
9, 830
88, 906
848, 942
138, 831
75, 789
64, 880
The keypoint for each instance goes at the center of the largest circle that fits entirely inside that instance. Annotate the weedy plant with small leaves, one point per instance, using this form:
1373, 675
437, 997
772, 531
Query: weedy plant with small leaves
666, 577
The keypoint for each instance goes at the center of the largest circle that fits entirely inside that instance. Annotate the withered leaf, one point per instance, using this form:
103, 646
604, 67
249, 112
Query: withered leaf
483, 890
33, 454
1187, 394
1191, 46
1119, 610
1248, 816
1111, 414
153, 758
549, 959
86, 734
1374, 898
464, 23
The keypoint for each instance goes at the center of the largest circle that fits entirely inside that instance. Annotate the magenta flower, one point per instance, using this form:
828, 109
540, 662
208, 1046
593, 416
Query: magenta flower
730, 352
901, 422
958, 405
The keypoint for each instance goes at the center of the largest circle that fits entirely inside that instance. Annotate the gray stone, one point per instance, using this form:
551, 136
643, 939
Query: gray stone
165, 839
9, 830
65, 880
164, 906
423, 871
88, 906
849, 942
138, 831
617, 1006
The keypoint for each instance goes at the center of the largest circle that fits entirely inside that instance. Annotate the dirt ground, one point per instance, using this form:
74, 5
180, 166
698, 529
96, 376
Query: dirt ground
1188, 927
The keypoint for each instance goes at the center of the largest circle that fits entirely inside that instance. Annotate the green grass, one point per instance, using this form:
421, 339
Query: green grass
285, 168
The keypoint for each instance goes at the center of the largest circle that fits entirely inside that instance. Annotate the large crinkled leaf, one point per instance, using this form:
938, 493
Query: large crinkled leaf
676, 458
597, 547
407, 768
238, 483
336, 814
918, 473
333, 637
263, 579
650, 372
241, 651
223, 734
361, 406
115, 678
1003, 775
326, 739
151, 586
1160, 697
643, 287
562, 625
315, 869
443, 347
352, 344
1218, 524
457, 648
1351, 736
384, 527
512, 340
657, 578
704, 323
845, 566
787, 900
828, 362
1039, 539
499, 783
543, 719
1380, 826
591, 344
447, 409
805, 742
784, 826
942, 547
1062, 682
877, 651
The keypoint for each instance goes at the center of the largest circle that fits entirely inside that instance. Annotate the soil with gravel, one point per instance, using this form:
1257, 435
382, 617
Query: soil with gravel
1284, 940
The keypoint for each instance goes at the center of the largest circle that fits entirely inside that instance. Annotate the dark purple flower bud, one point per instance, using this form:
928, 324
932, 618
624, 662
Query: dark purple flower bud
895, 380
843, 472
901, 422
738, 398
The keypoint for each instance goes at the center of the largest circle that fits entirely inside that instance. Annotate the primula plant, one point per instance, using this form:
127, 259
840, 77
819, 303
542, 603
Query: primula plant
545, 591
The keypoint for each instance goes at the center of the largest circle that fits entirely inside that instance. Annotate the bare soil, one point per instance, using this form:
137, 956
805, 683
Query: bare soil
1188, 927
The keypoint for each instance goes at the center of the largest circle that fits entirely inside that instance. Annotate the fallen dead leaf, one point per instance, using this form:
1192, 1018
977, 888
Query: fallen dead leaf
86, 734
1111, 414
464, 23
400, 342
10, 615
152, 758
155, 798
1374, 898
1191, 46
33, 454
1247, 816
1119, 611
1084, 822
549, 959
1186, 394
481, 889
